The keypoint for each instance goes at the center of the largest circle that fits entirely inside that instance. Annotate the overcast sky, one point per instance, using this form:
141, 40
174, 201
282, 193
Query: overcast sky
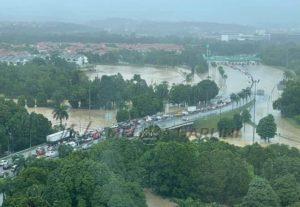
255, 12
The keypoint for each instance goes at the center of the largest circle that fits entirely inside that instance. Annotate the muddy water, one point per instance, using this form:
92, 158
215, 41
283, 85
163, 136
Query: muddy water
151, 74
101, 118
235, 82
269, 78
157, 201
79, 118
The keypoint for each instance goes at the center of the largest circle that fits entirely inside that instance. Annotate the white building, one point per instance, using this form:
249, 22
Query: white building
260, 35
79, 60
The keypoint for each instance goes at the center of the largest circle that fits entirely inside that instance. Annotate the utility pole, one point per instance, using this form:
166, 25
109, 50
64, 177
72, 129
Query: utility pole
254, 109
90, 101
11, 143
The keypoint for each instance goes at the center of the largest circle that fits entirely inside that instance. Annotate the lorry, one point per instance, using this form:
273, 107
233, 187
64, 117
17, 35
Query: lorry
58, 136
192, 109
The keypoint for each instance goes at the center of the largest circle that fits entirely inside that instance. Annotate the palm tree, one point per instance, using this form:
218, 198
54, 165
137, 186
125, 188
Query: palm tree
233, 98
242, 95
247, 93
60, 112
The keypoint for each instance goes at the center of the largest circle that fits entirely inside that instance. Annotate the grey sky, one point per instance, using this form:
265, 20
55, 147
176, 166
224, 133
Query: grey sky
228, 11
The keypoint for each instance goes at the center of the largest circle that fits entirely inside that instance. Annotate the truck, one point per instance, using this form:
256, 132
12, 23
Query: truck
58, 136
192, 109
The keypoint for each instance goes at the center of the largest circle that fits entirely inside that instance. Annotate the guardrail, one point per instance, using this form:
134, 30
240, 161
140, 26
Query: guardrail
22, 152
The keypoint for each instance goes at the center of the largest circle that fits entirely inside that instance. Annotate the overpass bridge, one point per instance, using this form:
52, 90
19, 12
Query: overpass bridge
235, 60
181, 125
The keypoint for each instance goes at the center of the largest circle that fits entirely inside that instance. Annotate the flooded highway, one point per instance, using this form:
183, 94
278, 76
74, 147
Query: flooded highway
269, 78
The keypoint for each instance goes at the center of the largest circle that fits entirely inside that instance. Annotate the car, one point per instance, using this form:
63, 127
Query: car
159, 117
52, 154
72, 144
148, 119
114, 126
185, 119
14, 168
185, 113
86, 146
3, 162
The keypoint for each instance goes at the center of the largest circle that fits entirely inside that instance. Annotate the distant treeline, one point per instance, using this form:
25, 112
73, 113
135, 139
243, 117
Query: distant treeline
190, 56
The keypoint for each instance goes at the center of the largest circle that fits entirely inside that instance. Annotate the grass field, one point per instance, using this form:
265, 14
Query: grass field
211, 122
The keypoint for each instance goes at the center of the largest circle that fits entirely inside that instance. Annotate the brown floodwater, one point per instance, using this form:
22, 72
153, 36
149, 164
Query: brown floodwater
152, 75
154, 200
80, 119
269, 78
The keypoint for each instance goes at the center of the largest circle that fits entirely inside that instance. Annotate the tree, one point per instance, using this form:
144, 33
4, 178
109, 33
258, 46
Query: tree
180, 94
289, 101
246, 117
21, 101
226, 127
30, 101
288, 75
152, 131
122, 115
207, 90
221, 71
267, 128
260, 194
238, 122
39, 127
162, 91
147, 105
64, 150
200, 69
233, 98
60, 112
4, 140
287, 189
41, 100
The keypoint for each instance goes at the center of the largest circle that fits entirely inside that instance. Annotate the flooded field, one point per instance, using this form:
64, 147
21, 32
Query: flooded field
152, 75
103, 118
79, 118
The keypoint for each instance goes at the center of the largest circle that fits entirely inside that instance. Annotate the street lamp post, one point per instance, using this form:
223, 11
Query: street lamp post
90, 101
254, 109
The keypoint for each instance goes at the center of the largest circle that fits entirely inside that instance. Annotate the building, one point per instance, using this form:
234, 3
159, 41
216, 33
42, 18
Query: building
16, 60
233, 60
77, 59
258, 36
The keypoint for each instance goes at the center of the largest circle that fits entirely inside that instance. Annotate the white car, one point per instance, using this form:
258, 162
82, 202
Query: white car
185, 113
3, 162
185, 119
159, 118
72, 144
51, 154
114, 126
